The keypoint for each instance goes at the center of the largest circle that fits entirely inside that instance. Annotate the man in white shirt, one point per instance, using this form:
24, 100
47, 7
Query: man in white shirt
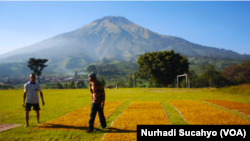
31, 89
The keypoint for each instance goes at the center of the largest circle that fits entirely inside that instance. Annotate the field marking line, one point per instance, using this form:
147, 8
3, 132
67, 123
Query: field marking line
5, 127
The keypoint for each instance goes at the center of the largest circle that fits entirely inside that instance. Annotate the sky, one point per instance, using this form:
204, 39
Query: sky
220, 24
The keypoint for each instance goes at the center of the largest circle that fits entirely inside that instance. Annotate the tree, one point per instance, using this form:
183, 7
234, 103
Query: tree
192, 76
37, 65
91, 68
105, 60
213, 79
140, 81
246, 63
183, 83
59, 86
103, 81
237, 74
130, 81
150, 83
162, 67
202, 68
66, 86
80, 84
210, 67
100, 68
209, 78
211, 74
72, 85
75, 75
136, 75
120, 83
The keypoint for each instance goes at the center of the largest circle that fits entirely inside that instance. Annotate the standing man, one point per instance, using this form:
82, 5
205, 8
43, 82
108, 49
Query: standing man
31, 89
98, 100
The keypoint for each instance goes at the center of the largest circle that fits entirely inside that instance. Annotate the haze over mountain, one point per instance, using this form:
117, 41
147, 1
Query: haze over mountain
110, 37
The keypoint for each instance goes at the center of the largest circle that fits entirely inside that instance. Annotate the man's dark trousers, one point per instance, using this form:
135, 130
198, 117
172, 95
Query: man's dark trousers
94, 108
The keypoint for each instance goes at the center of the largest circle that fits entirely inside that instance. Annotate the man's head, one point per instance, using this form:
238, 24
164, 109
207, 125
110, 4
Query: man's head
32, 78
92, 76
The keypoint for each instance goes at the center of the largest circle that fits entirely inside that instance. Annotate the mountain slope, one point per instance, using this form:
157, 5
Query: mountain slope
111, 37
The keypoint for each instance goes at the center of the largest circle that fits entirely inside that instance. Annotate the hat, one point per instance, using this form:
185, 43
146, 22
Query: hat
92, 74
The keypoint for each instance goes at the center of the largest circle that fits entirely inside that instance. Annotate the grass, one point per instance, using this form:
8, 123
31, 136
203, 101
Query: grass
242, 89
61, 102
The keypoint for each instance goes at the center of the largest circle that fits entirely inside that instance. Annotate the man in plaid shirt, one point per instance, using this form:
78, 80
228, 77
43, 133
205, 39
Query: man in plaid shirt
98, 100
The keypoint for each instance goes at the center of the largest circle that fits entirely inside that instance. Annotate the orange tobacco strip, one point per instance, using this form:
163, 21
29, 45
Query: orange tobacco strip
79, 119
197, 113
137, 113
244, 108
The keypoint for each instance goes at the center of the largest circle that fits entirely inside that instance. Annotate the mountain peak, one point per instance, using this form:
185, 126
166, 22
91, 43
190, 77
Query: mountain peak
117, 20
111, 24
113, 17
113, 37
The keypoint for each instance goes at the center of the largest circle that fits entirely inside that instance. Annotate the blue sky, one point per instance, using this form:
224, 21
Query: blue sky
217, 24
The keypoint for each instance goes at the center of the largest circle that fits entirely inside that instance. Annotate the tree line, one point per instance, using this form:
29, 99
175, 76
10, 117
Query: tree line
209, 77
80, 84
160, 69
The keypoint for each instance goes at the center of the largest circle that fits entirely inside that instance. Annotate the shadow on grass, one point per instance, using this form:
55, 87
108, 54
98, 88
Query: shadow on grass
117, 130
67, 127
62, 127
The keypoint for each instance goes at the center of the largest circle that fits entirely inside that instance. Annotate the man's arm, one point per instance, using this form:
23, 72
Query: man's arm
24, 97
103, 103
41, 94
90, 88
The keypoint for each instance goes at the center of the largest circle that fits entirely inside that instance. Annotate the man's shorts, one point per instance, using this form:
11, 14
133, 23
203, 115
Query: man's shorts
29, 105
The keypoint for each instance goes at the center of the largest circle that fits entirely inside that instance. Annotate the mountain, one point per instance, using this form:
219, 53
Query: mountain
110, 37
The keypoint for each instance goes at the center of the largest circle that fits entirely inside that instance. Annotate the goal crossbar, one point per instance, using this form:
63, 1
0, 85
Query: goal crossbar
187, 81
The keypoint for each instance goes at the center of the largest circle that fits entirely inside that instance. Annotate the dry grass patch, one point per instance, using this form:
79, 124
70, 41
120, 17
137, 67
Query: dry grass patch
137, 113
241, 107
79, 119
120, 137
197, 113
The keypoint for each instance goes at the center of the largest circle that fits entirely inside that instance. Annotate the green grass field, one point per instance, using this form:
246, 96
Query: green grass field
61, 102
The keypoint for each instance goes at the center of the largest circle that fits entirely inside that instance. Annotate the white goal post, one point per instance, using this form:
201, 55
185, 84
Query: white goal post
187, 80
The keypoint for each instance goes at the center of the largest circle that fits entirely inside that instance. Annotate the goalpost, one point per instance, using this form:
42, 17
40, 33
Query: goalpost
187, 80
